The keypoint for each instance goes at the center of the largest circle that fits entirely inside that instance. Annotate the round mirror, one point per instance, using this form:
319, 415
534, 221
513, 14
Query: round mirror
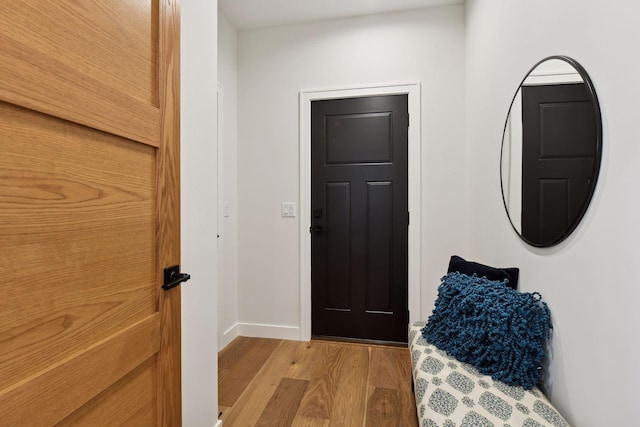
551, 150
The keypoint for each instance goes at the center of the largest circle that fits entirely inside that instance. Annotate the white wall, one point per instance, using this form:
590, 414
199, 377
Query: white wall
590, 281
228, 78
198, 216
274, 65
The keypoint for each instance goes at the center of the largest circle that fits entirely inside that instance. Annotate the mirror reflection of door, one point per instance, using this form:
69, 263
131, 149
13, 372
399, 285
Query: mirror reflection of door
551, 151
558, 150
359, 196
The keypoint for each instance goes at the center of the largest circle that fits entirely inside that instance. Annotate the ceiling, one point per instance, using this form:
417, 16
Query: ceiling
251, 14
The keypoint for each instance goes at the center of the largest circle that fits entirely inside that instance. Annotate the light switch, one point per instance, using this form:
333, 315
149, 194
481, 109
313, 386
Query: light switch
288, 209
226, 210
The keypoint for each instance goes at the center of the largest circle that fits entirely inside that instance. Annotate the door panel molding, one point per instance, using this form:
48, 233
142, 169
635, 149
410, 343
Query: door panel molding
55, 393
50, 86
412, 89
337, 249
379, 247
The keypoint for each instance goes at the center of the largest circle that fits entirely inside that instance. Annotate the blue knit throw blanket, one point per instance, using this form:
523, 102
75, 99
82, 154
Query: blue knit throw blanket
498, 330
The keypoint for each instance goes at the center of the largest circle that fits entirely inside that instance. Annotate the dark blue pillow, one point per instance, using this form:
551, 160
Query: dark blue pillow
498, 330
470, 268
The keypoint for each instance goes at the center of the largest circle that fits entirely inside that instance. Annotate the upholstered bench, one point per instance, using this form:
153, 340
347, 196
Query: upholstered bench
450, 393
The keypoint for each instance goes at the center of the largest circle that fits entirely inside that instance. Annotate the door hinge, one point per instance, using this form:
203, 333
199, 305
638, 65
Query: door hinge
408, 218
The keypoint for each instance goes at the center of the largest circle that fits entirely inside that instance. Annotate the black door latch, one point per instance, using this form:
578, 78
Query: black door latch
173, 277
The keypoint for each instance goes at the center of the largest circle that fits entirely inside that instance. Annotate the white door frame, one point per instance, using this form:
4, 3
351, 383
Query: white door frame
220, 207
415, 167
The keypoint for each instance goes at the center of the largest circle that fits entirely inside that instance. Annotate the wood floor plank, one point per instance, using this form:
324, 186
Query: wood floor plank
318, 401
222, 374
305, 362
383, 408
350, 398
382, 371
228, 355
310, 422
239, 364
240, 348
248, 408
223, 411
346, 385
408, 414
284, 403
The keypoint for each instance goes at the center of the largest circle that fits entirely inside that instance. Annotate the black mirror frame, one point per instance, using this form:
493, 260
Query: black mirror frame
597, 158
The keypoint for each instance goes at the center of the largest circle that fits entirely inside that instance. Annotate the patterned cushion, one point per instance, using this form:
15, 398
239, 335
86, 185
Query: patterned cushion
451, 393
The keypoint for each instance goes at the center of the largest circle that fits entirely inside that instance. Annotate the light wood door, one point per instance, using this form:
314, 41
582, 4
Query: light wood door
89, 212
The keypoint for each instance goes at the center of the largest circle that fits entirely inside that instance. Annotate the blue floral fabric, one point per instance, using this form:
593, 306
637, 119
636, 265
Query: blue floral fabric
452, 393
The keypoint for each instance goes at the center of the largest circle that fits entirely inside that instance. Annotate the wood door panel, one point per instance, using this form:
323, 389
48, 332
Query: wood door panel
55, 393
126, 29
67, 168
66, 221
107, 78
114, 407
89, 212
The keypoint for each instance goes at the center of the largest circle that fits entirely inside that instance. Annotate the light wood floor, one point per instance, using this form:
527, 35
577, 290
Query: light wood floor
267, 382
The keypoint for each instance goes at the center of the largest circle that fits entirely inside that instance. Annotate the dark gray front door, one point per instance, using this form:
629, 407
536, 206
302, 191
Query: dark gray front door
359, 198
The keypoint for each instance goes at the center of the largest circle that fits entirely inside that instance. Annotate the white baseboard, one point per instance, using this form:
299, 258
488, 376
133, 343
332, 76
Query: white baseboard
258, 330
228, 336
269, 331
